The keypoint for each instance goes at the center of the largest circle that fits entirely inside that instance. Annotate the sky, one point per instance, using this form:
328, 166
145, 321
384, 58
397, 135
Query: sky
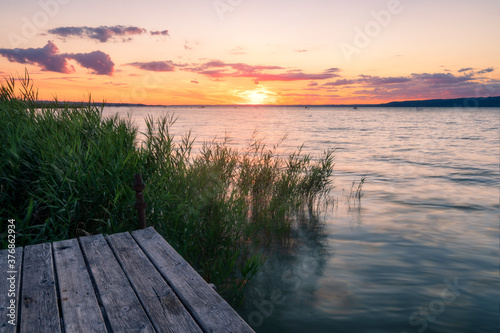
205, 52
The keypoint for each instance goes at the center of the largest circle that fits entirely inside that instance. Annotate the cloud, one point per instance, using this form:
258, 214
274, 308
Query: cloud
194, 81
48, 58
245, 68
472, 72
341, 82
377, 81
302, 95
189, 45
288, 76
115, 84
99, 61
238, 50
441, 78
486, 70
413, 86
425, 86
103, 33
218, 69
155, 66
332, 70
159, 33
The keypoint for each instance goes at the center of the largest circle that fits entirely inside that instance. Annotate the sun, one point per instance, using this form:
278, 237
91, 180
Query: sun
257, 96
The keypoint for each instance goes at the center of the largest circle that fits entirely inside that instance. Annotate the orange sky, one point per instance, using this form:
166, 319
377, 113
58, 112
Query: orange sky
253, 51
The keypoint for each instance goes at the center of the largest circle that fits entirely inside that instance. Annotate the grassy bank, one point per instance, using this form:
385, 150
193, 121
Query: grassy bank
66, 171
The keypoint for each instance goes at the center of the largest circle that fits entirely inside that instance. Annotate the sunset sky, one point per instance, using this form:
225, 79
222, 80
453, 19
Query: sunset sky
253, 51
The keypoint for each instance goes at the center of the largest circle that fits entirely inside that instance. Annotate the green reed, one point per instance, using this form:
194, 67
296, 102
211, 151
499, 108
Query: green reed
67, 171
355, 194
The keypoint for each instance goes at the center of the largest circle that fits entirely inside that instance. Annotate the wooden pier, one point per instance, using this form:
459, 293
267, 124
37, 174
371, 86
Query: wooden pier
127, 282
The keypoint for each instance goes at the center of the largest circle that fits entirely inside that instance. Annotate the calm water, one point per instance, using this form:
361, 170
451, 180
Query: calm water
421, 253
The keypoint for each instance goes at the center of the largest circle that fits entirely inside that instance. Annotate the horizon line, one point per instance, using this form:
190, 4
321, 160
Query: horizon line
290, 105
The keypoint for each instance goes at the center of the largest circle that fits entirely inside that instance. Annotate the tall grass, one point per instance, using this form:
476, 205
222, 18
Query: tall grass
66, 171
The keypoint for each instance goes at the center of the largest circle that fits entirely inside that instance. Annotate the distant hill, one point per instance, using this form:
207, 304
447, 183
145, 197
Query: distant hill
457, 102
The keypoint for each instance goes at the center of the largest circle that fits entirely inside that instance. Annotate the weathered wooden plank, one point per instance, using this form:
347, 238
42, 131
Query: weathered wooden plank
166, 311
40, 312
209, 309
10, 282
123, 310
80, 308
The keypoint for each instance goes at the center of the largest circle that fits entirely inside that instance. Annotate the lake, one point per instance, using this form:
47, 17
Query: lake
418, 253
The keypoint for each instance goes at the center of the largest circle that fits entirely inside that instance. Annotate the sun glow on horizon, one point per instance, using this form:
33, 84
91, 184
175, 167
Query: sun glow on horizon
257, 96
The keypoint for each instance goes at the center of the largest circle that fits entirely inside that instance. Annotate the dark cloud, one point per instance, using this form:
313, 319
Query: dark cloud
102, 33
486, 70
155, 66
426, 86
194, 81
213, 73
441, 78
312, 84
332, 70
49, 59
376, 80
415, 78
342, 82
472, 72
159, 33
99, 61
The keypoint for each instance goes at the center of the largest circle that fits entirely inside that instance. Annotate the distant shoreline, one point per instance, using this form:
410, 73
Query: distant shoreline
471, 102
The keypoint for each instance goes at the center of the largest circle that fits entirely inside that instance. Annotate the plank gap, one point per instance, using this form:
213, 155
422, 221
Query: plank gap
96, 291
128, 278
58, 292
158, 298
176, 293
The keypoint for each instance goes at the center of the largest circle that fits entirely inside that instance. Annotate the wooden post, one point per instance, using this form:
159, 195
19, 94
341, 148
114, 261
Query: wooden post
140, 205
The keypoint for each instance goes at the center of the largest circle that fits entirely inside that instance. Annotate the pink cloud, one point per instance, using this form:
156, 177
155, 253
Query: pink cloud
219, 69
